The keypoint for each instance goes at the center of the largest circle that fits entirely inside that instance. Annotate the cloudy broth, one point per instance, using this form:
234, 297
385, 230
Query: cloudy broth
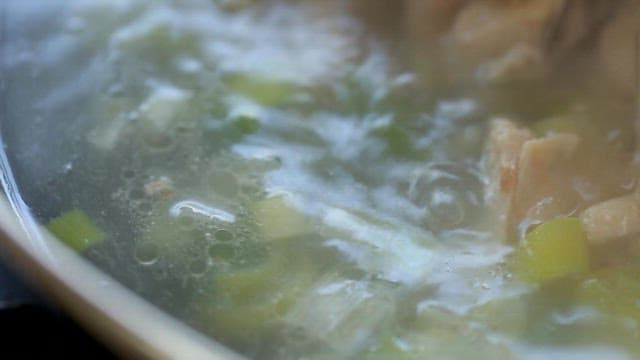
294, 180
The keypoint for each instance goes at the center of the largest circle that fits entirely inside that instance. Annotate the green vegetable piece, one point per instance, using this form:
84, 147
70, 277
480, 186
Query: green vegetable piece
613, 290
279, 220
246, 124
76, 230
261, 90
237, 322
555, 249
398, 141
246, 285
249, 299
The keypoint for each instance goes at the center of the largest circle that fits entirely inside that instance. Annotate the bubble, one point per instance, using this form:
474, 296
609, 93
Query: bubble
221, 251
146, 253
198, 266
224, 235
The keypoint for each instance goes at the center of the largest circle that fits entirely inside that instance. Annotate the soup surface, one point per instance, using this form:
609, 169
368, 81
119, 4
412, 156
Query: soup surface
320, 179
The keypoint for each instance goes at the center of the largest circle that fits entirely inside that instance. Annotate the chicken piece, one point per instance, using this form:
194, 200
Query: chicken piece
505, 142
502, 154
618, 45
529, 178
380, 15
544, 187
521, 62
486, 29
489, 28
428, 19
579, 20
618, 53
612, 219
516, 40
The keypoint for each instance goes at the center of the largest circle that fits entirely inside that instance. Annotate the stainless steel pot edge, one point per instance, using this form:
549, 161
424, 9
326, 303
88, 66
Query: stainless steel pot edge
130, 324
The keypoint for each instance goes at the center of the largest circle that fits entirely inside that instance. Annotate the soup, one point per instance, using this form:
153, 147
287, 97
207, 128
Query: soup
329, 179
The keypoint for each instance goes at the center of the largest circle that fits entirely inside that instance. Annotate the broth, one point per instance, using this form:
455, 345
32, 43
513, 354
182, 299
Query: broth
298, 181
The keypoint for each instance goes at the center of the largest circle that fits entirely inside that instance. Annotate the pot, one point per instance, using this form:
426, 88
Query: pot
130, 325
215, 184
